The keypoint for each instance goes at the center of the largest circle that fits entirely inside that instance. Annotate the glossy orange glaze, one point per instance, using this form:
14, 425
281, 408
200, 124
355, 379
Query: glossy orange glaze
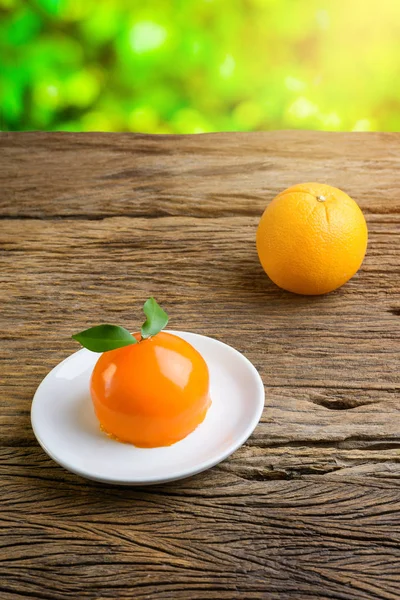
153, 393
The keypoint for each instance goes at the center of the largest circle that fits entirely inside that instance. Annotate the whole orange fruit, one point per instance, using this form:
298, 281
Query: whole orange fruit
153, 393
311, 239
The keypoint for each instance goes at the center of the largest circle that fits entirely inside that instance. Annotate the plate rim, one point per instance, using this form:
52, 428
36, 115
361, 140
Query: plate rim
189, 472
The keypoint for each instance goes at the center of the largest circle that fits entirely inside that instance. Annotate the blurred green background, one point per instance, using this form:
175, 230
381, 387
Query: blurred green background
192, 66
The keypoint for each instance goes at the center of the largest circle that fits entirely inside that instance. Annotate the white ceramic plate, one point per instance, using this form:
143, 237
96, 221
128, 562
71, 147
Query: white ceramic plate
66, 427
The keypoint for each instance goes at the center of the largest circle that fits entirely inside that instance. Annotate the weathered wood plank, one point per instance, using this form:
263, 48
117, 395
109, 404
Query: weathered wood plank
216, 535
91, 225
207, 175
76, 273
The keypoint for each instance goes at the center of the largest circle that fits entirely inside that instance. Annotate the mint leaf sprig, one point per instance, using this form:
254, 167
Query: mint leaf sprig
103, 338
156, 319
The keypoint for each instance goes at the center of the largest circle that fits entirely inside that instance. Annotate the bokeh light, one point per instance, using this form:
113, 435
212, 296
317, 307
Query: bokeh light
192, 66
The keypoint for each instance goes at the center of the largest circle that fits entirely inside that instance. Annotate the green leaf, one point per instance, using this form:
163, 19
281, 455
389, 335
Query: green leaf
156, 318
105, 337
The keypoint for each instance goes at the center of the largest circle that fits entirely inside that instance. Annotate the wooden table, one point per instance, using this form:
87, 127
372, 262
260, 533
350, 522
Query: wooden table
93, 224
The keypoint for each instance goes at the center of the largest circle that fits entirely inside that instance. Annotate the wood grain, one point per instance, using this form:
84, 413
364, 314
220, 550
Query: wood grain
203, 175
90, 226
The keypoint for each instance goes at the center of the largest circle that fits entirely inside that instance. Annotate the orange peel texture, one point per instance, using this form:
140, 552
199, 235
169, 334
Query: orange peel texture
311, 239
